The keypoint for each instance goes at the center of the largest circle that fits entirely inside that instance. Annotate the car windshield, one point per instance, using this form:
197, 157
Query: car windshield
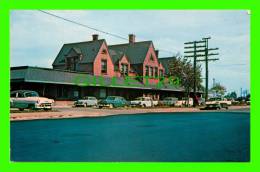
138, 98
31, 94
111, 98
13, 94
213, 99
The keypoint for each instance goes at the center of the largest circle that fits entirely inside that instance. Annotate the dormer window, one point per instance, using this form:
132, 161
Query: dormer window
104, 66
80, 57
71, 63
124, 69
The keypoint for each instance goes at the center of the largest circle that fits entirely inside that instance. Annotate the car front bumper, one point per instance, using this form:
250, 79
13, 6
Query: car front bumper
43, 106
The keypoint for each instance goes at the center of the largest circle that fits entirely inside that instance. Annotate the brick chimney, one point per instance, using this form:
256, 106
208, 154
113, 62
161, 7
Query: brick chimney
157, 53
131, 38
95, 37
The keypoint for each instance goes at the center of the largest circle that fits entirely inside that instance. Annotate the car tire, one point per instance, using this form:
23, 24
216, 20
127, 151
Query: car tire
143, 105
21, 109
31, 107
47, 109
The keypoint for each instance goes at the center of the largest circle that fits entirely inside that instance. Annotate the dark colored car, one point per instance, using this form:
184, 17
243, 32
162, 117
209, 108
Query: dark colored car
113, 101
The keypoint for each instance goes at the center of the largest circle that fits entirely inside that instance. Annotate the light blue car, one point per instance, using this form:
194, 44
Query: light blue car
113, 101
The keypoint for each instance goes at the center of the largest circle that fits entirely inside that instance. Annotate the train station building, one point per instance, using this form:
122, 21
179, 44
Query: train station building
93, 68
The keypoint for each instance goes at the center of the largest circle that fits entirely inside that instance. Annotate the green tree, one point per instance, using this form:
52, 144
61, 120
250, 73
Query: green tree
232, 95
218, 89
183, 69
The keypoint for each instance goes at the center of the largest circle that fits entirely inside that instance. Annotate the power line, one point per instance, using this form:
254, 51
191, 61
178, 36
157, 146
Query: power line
83, 25
93, 28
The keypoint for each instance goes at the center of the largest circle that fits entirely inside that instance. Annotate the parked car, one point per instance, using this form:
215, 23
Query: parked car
113, 101
184, 102
201, 101
86, 101
143, 102
26, 99
214, 106
169, 101
222, 101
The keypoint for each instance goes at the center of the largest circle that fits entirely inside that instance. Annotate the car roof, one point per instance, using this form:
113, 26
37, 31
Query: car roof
116, 96
22, 91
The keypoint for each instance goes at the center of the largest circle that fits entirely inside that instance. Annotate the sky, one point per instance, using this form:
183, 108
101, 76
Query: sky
36, 38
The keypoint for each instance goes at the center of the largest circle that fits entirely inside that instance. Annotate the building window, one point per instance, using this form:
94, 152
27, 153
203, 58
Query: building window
103, 66
151, 58
102, 93
124, 69
161, 73
71, 63
151, 70
156, 71
146, 70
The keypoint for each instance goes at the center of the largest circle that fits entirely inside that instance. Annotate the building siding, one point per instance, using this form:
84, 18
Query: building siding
154, 63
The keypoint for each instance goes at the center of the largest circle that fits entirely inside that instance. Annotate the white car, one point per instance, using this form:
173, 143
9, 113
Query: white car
26, 99
143, 102
169, 101
184, 102
218, 100
86, 101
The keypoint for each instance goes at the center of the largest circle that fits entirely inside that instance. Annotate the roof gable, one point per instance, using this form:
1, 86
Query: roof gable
136, 52
73, 52
89, 51
165, 62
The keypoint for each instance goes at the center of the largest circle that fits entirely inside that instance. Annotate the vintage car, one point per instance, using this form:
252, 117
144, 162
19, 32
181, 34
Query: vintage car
113, 101
86, 101
201, 101
169, 101
142, 102
215, 106
26, 99
218, 100
184, 102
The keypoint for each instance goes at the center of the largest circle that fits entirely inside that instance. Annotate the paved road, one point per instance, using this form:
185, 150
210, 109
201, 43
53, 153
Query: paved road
169, 137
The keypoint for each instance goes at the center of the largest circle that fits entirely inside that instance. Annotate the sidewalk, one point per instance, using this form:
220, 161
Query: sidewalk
69, 112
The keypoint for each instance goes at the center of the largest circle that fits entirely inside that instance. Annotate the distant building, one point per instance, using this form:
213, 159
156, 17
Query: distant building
94, 68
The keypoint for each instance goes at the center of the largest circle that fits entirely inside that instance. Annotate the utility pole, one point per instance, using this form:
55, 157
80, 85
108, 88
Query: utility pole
206, 60
195, 52
199, 51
